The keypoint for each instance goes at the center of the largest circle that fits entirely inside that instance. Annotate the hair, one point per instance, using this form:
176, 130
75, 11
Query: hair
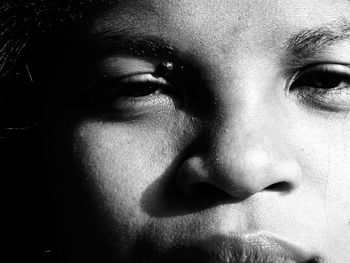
26, 28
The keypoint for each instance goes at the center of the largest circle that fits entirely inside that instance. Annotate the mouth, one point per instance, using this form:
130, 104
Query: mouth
241, 249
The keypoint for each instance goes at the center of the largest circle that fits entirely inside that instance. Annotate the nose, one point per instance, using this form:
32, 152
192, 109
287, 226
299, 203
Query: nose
242, 155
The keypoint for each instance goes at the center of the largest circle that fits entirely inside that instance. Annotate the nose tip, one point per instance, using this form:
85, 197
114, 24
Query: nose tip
240, 175
256, 170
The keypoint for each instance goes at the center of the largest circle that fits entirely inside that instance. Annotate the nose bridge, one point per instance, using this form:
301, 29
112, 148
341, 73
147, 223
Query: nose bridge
245, 115
244, 136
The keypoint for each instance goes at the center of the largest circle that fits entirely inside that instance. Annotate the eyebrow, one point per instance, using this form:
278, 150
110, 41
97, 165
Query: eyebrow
126, 43
309, 42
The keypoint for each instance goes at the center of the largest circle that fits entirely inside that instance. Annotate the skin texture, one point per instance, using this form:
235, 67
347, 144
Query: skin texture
234, 151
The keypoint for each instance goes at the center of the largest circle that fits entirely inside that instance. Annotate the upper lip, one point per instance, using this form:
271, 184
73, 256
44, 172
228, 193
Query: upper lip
253, 248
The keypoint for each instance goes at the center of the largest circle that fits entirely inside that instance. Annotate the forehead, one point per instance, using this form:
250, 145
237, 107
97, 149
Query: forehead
225, 21
224, 13
229, 29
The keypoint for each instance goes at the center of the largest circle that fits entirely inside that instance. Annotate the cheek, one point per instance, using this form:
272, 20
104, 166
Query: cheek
337, 194
122, 161
118, 164
323, 148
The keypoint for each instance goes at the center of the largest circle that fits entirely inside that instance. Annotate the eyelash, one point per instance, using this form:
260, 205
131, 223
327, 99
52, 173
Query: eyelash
141, 85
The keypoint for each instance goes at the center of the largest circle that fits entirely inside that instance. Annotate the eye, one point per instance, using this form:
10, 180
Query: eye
134, 93
324, 86
136, 86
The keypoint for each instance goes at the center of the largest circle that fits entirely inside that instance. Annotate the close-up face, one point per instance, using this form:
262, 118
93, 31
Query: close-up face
208, 131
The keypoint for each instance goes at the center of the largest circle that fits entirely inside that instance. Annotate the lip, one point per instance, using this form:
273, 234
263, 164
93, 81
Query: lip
251, 248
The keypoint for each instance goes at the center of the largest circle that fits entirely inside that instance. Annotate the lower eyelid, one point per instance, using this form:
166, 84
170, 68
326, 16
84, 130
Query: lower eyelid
325, 102
149, 104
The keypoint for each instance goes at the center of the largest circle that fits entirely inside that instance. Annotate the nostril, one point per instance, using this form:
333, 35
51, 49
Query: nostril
279, 187
206, 191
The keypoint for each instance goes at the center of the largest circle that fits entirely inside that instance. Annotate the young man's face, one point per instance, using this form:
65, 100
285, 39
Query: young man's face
222, 133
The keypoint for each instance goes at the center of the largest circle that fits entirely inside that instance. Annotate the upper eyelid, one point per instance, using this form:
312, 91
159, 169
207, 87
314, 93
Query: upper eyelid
123, 66
327, 64
326, 68
298, 71
118, 67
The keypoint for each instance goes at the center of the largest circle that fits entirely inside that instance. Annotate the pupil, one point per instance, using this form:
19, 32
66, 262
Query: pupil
141, 90
328, 82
